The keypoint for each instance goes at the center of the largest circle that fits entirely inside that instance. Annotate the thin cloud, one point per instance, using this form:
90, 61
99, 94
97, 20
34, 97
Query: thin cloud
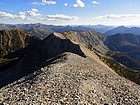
61, 17
95, 2
44, 2
35, 3
121, 19
66, 4
114, 16
35, 10
50, 2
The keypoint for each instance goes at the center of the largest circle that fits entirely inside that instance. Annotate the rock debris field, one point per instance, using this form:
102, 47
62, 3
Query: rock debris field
72, 80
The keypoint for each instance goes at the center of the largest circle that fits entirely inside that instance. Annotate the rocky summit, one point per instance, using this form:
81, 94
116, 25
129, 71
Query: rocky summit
72, 80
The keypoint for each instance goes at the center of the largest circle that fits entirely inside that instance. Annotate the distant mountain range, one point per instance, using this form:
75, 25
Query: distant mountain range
15, 38
101, 28
123, 30
42, 30
39, 30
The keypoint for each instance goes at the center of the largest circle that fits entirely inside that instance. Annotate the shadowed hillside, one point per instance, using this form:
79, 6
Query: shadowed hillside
13, 45
14, 40
37, 55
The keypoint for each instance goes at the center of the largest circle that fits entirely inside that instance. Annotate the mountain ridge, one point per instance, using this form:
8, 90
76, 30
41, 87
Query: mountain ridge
69, 68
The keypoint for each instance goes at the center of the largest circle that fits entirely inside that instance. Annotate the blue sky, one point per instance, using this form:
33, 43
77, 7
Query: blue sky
71, 12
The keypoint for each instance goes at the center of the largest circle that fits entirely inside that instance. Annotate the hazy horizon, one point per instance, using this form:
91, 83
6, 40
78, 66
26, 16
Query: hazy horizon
73, 25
